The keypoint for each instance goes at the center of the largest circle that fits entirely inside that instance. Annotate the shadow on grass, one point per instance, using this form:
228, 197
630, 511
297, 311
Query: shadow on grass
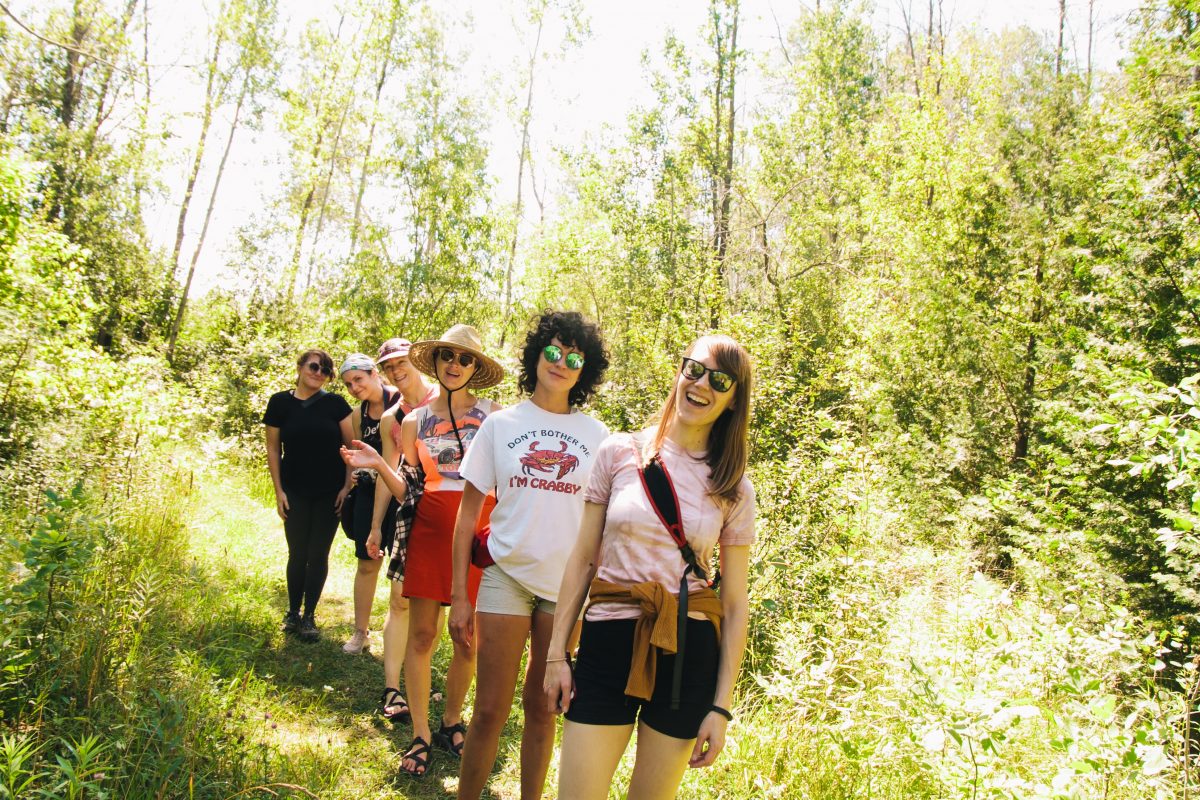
327, 695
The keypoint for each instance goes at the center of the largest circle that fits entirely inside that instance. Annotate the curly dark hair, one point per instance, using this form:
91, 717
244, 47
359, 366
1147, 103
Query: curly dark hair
573, 330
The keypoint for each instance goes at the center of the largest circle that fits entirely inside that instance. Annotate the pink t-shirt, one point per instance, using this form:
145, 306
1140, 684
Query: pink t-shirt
636, 546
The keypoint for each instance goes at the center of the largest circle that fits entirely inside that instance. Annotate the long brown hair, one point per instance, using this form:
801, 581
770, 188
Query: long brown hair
728, 440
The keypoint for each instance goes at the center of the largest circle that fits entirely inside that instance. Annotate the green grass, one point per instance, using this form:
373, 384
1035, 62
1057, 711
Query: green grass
321, 701
883, 665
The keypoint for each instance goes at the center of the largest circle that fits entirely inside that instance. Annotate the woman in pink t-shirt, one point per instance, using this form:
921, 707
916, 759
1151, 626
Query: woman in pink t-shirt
626, 672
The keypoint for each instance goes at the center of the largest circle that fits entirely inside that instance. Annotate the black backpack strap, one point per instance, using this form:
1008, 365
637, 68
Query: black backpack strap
661, 491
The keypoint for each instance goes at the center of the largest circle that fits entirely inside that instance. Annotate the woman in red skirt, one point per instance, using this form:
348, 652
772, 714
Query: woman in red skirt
437, 437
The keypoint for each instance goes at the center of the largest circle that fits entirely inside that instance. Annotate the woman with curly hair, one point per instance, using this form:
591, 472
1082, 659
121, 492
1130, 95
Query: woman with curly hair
536, 457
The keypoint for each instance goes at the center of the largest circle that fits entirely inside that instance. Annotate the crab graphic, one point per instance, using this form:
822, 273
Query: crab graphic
547, 460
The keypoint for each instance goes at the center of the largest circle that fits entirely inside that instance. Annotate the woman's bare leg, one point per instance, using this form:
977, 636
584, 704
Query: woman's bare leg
501, 641
365, 581
395, 634
425, 623
658, 765
590, 755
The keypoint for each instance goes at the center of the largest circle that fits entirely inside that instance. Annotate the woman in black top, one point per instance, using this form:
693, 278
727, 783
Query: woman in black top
305, 428
364, 382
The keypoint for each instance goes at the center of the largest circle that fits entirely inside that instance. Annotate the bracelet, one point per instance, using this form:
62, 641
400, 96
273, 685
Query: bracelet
724, 712
566, 657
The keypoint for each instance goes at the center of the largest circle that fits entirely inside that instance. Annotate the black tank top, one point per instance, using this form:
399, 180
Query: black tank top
370, 425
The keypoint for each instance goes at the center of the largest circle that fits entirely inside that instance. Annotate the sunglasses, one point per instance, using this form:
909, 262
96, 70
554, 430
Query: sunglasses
447, 355
316, 368
553, 353
693, 370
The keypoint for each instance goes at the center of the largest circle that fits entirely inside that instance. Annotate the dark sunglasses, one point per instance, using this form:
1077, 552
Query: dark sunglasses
693, 370
316, 368
553, 353
448, 355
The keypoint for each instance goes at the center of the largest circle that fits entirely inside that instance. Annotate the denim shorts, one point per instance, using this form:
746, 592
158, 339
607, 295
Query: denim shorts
500, 593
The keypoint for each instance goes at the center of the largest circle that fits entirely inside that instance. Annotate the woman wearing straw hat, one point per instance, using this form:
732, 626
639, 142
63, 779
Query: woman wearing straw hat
437, 437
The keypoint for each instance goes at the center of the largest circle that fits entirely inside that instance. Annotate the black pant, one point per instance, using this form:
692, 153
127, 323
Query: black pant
310, 525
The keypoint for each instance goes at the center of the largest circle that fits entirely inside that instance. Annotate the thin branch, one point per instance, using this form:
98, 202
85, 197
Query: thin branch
65, 46
779, 35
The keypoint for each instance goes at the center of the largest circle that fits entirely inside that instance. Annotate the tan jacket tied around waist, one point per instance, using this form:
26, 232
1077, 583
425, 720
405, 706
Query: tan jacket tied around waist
657, 627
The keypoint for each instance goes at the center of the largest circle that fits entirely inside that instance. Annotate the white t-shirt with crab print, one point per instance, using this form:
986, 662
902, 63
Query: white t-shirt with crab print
538, 463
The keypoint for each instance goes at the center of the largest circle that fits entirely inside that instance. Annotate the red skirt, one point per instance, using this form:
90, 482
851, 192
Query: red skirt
428, 574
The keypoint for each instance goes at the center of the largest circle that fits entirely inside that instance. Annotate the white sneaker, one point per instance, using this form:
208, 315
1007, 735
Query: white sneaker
359, 642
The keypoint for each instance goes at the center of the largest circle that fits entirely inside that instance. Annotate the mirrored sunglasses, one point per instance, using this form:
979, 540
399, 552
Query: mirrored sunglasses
693, 370
553, 353
448, 355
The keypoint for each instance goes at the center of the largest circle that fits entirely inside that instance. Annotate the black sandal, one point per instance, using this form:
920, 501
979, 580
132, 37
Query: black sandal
418, 752
391, 699
444, 738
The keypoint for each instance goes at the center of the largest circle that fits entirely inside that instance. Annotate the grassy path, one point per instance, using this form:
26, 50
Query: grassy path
313, 708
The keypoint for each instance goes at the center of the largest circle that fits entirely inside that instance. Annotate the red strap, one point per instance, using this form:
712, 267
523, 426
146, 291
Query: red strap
676, 528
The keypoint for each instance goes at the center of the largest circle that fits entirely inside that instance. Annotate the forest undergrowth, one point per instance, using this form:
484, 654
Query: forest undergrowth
964, 262
143, 658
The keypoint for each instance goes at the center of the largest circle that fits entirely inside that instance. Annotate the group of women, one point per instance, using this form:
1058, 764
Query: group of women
540, 532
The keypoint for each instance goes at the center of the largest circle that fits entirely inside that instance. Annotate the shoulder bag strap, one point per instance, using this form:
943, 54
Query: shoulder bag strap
661, 491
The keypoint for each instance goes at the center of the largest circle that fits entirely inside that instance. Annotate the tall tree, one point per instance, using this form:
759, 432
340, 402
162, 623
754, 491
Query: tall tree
251, 31
575, 23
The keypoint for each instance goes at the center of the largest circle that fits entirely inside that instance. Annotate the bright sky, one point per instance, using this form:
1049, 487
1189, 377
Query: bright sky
592, 86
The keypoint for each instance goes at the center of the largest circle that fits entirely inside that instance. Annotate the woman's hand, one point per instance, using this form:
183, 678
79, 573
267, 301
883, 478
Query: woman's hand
559, 686
362, 456
709, 741
340, 499
281, 504
462, 621
374, 539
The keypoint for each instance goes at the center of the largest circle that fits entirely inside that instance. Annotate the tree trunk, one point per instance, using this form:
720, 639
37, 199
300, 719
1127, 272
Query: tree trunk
333, 158
724, 127
384, 66
1026, 406
212, 201
1062, 25
210, 101
293, 272
69, 97
520, 206
1091, 36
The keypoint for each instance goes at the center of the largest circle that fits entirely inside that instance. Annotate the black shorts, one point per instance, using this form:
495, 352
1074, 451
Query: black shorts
364, 508
602, 669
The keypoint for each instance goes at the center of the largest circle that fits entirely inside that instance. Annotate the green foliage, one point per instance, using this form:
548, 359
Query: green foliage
966, 271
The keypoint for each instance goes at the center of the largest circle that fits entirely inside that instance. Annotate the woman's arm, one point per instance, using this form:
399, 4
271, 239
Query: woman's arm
361, 455
577, 577
347, 429
735, 605
274, 459
383, 495
462, 616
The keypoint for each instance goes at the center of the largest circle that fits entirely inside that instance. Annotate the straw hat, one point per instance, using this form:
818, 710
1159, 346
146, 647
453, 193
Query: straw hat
488, 372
